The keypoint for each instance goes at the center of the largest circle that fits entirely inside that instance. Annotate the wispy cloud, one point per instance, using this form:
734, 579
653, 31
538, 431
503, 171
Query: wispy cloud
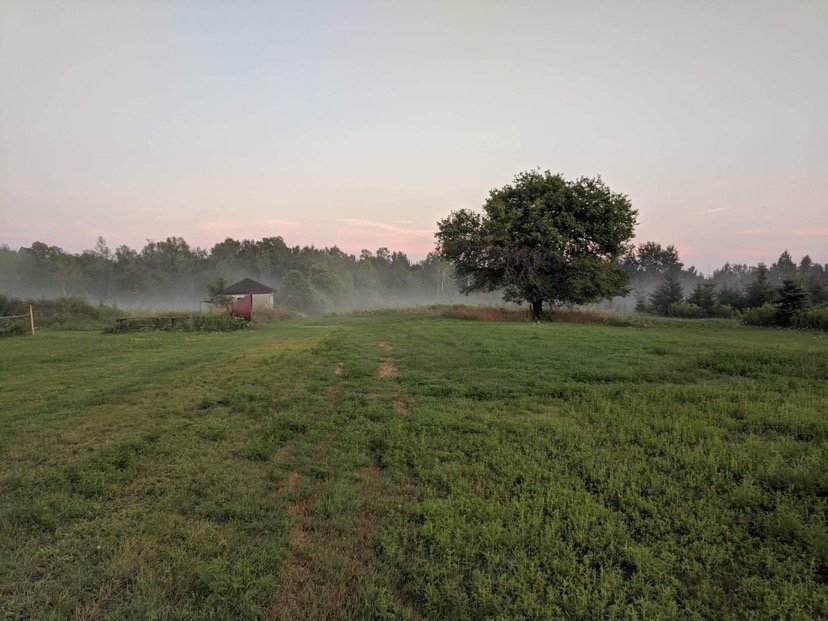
235, 224
372, 225
707, 212
809, 233
780, 232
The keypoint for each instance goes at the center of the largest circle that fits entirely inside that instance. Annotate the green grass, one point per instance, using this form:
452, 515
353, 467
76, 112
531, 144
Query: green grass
411, 466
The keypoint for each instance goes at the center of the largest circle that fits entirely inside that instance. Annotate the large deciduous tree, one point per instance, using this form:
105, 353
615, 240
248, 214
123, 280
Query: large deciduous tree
542, 239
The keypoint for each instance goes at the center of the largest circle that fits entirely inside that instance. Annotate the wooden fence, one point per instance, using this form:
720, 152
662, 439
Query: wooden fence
30, 317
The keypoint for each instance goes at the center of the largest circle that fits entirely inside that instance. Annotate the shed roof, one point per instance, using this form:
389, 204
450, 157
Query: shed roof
248, 285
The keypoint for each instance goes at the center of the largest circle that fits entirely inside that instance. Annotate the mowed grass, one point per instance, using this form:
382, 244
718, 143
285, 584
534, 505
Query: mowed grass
410, 466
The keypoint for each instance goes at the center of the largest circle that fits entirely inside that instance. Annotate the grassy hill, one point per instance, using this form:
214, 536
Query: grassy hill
413, 466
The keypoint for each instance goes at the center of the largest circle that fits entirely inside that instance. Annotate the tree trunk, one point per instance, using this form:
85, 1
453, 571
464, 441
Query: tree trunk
537, 310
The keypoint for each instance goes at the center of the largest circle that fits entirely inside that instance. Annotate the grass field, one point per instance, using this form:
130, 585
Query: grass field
411, 466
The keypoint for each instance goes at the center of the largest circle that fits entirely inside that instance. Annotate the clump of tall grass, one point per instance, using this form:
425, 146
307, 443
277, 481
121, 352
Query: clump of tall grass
487, 313
213, 322
561, 315
271, 315
595, 317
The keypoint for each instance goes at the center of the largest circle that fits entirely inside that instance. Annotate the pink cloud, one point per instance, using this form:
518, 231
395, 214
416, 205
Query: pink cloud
236, 224
356, 233
778, 232
374, 226
711, 211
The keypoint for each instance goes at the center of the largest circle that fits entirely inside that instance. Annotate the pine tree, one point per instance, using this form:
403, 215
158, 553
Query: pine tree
668, 293
732, 297
642, 304
793, 298
760, 291
704, 295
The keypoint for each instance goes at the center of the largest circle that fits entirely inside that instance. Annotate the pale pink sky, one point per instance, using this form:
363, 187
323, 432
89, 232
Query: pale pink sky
361, 124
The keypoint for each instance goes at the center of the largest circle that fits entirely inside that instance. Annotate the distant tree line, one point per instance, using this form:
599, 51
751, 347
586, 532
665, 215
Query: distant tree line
173, 273
309, 279
776, 295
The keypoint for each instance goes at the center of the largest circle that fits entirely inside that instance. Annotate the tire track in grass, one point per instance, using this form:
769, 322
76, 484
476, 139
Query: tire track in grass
339, 506
403, 403
300, 565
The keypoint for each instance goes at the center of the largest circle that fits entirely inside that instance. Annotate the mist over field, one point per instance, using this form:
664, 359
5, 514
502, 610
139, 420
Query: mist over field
172, 275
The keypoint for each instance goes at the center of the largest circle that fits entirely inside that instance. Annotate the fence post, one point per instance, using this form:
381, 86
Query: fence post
31, 318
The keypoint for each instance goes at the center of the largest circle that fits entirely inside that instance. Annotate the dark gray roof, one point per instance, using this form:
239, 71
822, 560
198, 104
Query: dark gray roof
248, 285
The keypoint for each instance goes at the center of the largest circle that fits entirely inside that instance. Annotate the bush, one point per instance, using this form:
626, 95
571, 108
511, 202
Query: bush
687, 310
209, 322
68, 311
723, 311
11, 306
815, 318
269, 315
213, 322
764, 315
13, 327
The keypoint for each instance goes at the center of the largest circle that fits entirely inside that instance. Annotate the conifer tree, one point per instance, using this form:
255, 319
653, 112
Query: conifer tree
793, 298
669, 292
760, 291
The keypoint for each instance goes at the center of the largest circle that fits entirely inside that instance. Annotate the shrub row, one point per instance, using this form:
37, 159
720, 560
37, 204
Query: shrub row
767, 315
208, 322
68, 311
688, 310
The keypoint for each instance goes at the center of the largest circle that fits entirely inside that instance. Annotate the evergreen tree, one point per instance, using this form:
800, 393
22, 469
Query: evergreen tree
784, 268
733, 298
642, 304
668, 293
793, 298
818, 292
760, 291
704, 295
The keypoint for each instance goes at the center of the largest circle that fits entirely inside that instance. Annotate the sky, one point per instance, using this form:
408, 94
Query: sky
362, 124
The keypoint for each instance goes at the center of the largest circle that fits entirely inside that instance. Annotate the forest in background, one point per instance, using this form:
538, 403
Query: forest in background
172, 274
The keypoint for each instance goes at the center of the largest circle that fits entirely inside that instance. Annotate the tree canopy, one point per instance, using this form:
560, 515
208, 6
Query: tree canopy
542, 239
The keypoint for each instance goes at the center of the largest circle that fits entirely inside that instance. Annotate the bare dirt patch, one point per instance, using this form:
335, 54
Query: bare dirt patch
402, 406
289, 483
301, 507
387, 369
